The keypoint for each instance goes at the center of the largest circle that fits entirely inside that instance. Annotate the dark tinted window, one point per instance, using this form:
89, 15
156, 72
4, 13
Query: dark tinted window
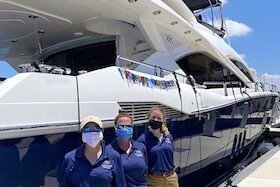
87, 58
203, 69
33, 161
242, 68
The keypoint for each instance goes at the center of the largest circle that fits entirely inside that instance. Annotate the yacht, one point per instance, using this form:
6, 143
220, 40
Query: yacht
93, 57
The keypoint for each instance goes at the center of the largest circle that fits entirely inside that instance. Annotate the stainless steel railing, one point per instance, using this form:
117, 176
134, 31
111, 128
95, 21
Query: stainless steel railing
158, 71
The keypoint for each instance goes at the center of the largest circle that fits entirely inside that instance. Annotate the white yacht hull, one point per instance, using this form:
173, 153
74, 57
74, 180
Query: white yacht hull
207, 126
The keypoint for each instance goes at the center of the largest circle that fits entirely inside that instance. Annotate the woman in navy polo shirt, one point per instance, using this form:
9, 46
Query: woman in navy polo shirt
91, 164
160, 147
133, 154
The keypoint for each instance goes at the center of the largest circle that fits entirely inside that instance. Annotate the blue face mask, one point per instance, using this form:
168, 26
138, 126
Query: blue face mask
124, 131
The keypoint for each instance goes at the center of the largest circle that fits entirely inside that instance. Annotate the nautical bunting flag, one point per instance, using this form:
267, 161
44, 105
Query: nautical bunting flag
149, 82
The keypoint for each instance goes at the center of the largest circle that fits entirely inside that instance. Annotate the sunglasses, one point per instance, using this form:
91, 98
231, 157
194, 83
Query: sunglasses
124, 126
91, 129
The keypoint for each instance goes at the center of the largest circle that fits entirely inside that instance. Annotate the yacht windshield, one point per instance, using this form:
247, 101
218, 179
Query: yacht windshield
205, 69
243, 68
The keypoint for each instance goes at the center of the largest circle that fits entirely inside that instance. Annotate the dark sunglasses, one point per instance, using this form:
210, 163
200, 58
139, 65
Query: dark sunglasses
124, 126
91, 129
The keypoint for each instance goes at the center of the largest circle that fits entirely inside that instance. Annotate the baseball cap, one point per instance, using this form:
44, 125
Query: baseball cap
91, 119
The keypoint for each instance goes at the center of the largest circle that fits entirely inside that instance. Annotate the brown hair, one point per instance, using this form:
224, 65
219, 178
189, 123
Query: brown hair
164, 128
121, 114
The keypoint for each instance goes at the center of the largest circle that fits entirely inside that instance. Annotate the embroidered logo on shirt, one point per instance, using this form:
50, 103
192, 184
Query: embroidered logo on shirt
138, 153
167, 140
107, 164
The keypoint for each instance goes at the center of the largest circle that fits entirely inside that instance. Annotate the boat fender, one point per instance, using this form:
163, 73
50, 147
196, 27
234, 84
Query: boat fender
238, 167
224, 164
276, 141
229, 183
262, 151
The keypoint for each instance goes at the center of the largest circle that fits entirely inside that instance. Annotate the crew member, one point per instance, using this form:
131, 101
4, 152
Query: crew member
133, 154
160, 149
91, 164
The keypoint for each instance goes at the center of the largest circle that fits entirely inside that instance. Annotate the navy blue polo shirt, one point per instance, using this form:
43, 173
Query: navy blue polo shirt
77, 171
160, 154
134, 163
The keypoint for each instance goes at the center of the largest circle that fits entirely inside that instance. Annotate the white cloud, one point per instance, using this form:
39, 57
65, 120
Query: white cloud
235, 28
269, 78
224, 2
266, 78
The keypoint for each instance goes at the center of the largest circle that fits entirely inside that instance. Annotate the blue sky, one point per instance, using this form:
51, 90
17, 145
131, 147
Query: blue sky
253, 28
259, 44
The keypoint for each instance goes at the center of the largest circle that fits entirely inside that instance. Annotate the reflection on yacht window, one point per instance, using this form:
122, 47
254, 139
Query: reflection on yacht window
242, 68
34, 161
205, 69
60, 60
88, 58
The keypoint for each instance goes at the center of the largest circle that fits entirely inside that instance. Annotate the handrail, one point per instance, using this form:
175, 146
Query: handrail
220, 83
118, 64
224, 84
272, 87
263, 86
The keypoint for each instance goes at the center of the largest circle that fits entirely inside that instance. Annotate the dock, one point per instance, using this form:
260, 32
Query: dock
265, 171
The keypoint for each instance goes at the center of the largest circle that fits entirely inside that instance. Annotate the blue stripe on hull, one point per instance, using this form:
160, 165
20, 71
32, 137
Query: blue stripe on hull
32, 161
